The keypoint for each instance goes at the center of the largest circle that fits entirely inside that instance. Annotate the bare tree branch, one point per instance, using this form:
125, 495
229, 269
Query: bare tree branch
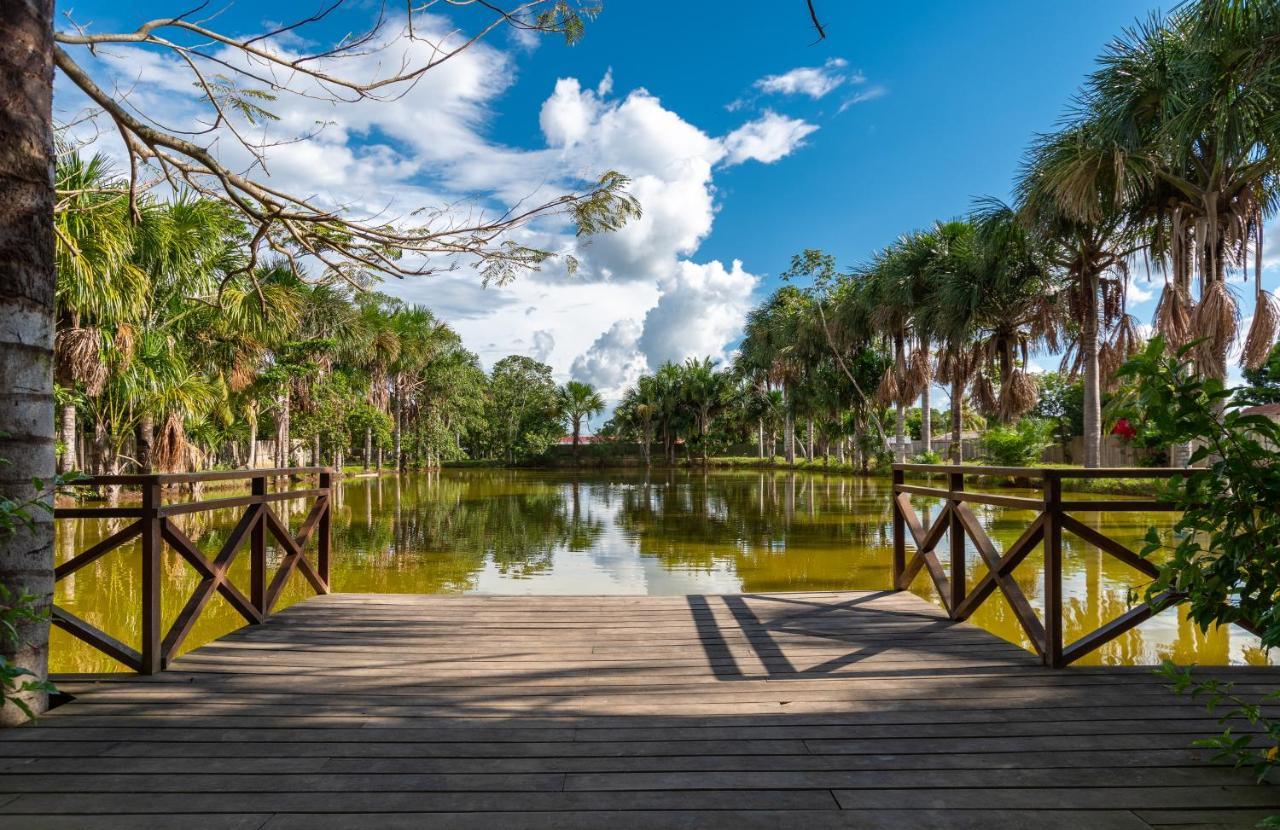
295, 228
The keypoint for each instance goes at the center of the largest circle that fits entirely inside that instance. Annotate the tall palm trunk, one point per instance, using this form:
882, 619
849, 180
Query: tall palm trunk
26, 319
282, 430
144, 437
399, 426
67, 435
900, 430
788, 426
368, 447
809, 452
926, 420
957, 417
252, 460
760, 437
1092, 381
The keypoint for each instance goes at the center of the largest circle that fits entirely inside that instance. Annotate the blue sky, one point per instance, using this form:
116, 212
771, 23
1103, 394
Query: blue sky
748, 142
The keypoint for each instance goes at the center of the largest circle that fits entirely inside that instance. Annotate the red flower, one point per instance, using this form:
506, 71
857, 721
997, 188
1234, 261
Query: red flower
1124, 430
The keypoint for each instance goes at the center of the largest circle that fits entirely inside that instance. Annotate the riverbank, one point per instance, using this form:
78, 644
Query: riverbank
1110, 486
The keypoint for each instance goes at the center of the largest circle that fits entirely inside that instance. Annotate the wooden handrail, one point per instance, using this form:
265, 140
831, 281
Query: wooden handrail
1043, 472
957, 523
155, 527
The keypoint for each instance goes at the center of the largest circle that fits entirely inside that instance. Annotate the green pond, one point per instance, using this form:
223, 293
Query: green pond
625, 532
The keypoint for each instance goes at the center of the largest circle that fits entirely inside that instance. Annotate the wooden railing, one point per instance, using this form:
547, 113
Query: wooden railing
153, 523
958, 522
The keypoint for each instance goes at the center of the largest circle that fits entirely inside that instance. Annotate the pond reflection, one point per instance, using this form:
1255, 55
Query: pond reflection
624, 532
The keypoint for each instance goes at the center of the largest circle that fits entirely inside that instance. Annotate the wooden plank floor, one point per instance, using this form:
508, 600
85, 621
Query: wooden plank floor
840, 710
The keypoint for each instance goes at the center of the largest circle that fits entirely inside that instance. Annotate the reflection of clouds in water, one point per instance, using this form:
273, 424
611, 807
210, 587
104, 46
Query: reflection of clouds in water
612, 564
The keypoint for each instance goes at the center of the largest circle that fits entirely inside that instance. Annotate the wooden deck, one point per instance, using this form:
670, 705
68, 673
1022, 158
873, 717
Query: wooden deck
850, 710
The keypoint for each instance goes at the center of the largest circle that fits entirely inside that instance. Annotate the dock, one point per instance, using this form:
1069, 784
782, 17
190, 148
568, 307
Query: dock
814, 710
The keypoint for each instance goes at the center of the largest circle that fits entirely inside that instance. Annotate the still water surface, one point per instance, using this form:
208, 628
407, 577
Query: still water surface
527, 532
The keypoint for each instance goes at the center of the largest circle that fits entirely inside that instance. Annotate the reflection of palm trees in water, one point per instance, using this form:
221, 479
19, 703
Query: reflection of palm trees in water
775, 531
442, 530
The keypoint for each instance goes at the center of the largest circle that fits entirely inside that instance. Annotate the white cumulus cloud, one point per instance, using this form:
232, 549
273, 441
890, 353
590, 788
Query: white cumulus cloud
766, 139
642, 295
813, 81
701, 309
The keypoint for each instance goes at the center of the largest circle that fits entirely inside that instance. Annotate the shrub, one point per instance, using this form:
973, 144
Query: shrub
1020, 445
1223, 560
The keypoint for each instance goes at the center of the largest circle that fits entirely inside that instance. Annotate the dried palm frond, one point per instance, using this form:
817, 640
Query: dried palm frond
1126, 340
1113, 299
1045, 321
919, 375
1262, 332
241, 376
888, 390
78, 354
946, 363
1019, 395
1216, 320
172, 450
125, 343
1072, 361
1266, 312
1173, 315
1109, 361
984, 395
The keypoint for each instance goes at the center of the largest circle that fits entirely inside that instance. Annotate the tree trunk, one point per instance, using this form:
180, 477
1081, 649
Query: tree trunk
282, 430
144, 436
67, 461
27, 320
399, 426
760, 437
900, 431
315, 451
788, 427
809, 453
252, 460
957, 419
926, 421
577, 430
1092, 390
368, 447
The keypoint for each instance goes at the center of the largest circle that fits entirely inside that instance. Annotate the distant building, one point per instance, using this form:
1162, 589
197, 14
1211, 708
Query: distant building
567, 440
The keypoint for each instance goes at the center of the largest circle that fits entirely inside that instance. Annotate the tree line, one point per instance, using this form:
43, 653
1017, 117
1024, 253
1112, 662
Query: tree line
173, 353
1163, 162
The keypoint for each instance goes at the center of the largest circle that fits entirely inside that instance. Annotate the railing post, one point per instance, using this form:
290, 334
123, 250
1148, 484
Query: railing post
1053, 569
899, 532
258, 550
955, 538
322, 544
152, 548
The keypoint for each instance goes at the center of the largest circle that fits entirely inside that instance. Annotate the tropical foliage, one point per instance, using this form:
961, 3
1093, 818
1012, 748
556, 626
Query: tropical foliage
1223, 559
173, 353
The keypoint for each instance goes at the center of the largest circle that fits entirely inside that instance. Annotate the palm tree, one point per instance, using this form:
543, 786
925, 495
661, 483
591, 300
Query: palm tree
1092, 255
773, 343
579, 401
98, 282
954, 324
898, 283
1183, 110
706, 392
639, 406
